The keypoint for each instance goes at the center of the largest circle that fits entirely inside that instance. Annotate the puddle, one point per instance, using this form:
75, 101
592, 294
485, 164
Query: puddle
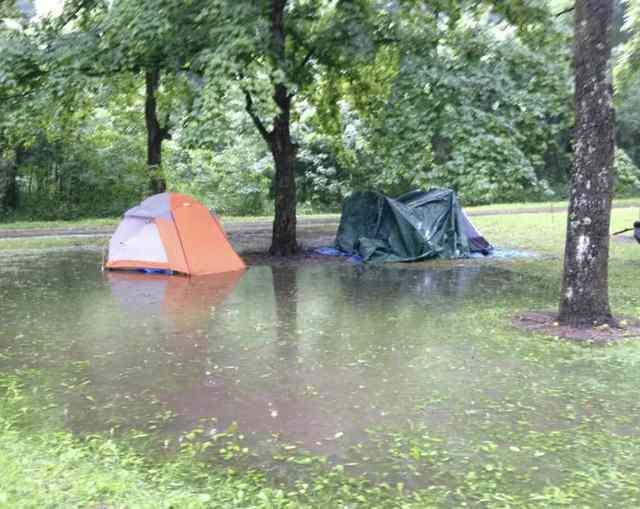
333, 359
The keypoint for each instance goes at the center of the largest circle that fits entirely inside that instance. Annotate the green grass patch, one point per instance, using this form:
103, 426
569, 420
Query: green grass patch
44, 243
561, 204
44, 225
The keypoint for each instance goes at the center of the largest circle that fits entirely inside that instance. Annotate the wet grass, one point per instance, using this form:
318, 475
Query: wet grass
499, 418
112, 222
556, 204
75, 223
45, 243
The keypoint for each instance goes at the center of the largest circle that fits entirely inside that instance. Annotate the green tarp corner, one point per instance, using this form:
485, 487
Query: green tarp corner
416, 226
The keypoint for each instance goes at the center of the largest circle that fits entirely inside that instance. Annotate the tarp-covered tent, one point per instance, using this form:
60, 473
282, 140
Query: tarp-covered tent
172, 232
416, 226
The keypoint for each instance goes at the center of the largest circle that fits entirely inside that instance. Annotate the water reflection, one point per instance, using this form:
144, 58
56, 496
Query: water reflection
184, 300
311, 355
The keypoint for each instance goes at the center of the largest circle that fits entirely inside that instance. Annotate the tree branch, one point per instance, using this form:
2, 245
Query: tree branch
256, 120
565, 11
21, 95
82, 4
305, 60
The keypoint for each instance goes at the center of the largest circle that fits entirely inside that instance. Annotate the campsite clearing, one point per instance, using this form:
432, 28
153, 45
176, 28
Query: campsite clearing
106, 226
323, 384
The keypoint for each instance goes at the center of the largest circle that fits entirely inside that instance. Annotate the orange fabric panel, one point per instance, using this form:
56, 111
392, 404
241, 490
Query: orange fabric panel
137, 264
178, 200
206, 248
172, 245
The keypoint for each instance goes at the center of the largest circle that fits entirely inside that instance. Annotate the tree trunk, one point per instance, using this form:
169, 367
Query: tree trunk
12, 196
155, 133
9, 194
283, 242
585, 297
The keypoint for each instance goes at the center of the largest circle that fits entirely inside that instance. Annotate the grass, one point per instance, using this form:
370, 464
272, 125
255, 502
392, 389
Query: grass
620, 202
40, 243
53, 469
111, 222
77, 223
564, 433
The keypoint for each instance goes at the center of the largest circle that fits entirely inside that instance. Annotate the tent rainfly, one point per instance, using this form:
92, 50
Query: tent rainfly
416, 226
174, 233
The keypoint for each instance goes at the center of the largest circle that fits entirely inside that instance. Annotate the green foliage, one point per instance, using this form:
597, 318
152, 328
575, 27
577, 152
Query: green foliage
626, 68
91, 171
469, 95
467, 107
231, 181
627, 174
627, 101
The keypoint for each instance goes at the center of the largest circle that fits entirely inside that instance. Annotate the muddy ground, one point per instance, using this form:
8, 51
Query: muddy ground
253, 244
545, 323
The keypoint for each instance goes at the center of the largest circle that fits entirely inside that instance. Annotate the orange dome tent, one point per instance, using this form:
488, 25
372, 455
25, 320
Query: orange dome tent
172, 232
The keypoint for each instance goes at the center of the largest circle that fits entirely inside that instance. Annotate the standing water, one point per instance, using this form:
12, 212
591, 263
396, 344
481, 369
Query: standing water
398, 374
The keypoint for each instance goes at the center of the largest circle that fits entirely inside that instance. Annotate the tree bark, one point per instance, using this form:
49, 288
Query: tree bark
283, 150
156, 134
283, 242
9, 193
585, 297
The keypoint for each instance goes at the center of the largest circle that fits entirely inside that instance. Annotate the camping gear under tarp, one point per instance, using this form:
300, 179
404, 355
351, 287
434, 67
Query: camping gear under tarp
175, 233
416, 226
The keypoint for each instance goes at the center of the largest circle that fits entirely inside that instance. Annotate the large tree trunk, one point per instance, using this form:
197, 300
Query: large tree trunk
283, 242
585, 297
155, 133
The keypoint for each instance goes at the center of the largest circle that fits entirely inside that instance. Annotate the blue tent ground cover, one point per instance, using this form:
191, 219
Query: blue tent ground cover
332, 251
497, 252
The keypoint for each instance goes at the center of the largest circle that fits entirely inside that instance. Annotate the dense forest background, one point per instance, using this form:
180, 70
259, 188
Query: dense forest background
104, 99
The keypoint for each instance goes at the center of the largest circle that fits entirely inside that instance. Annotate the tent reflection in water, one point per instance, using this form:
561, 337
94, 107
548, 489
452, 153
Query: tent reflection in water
187, 302
172, 232
416, 226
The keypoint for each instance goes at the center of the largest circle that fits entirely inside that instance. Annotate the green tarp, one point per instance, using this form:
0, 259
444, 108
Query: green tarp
416, 226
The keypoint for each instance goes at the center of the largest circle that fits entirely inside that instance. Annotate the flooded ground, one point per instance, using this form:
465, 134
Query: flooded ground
409, 376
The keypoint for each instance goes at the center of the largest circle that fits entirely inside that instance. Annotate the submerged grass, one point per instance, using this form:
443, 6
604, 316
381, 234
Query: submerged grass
561, 429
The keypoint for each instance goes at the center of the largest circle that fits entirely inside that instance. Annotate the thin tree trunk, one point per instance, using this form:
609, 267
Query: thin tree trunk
283, 242
12, 196
585, 298
155, 133
9, 195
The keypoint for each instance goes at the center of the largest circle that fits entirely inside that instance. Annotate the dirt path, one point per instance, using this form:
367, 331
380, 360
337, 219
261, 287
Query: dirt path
257, 228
